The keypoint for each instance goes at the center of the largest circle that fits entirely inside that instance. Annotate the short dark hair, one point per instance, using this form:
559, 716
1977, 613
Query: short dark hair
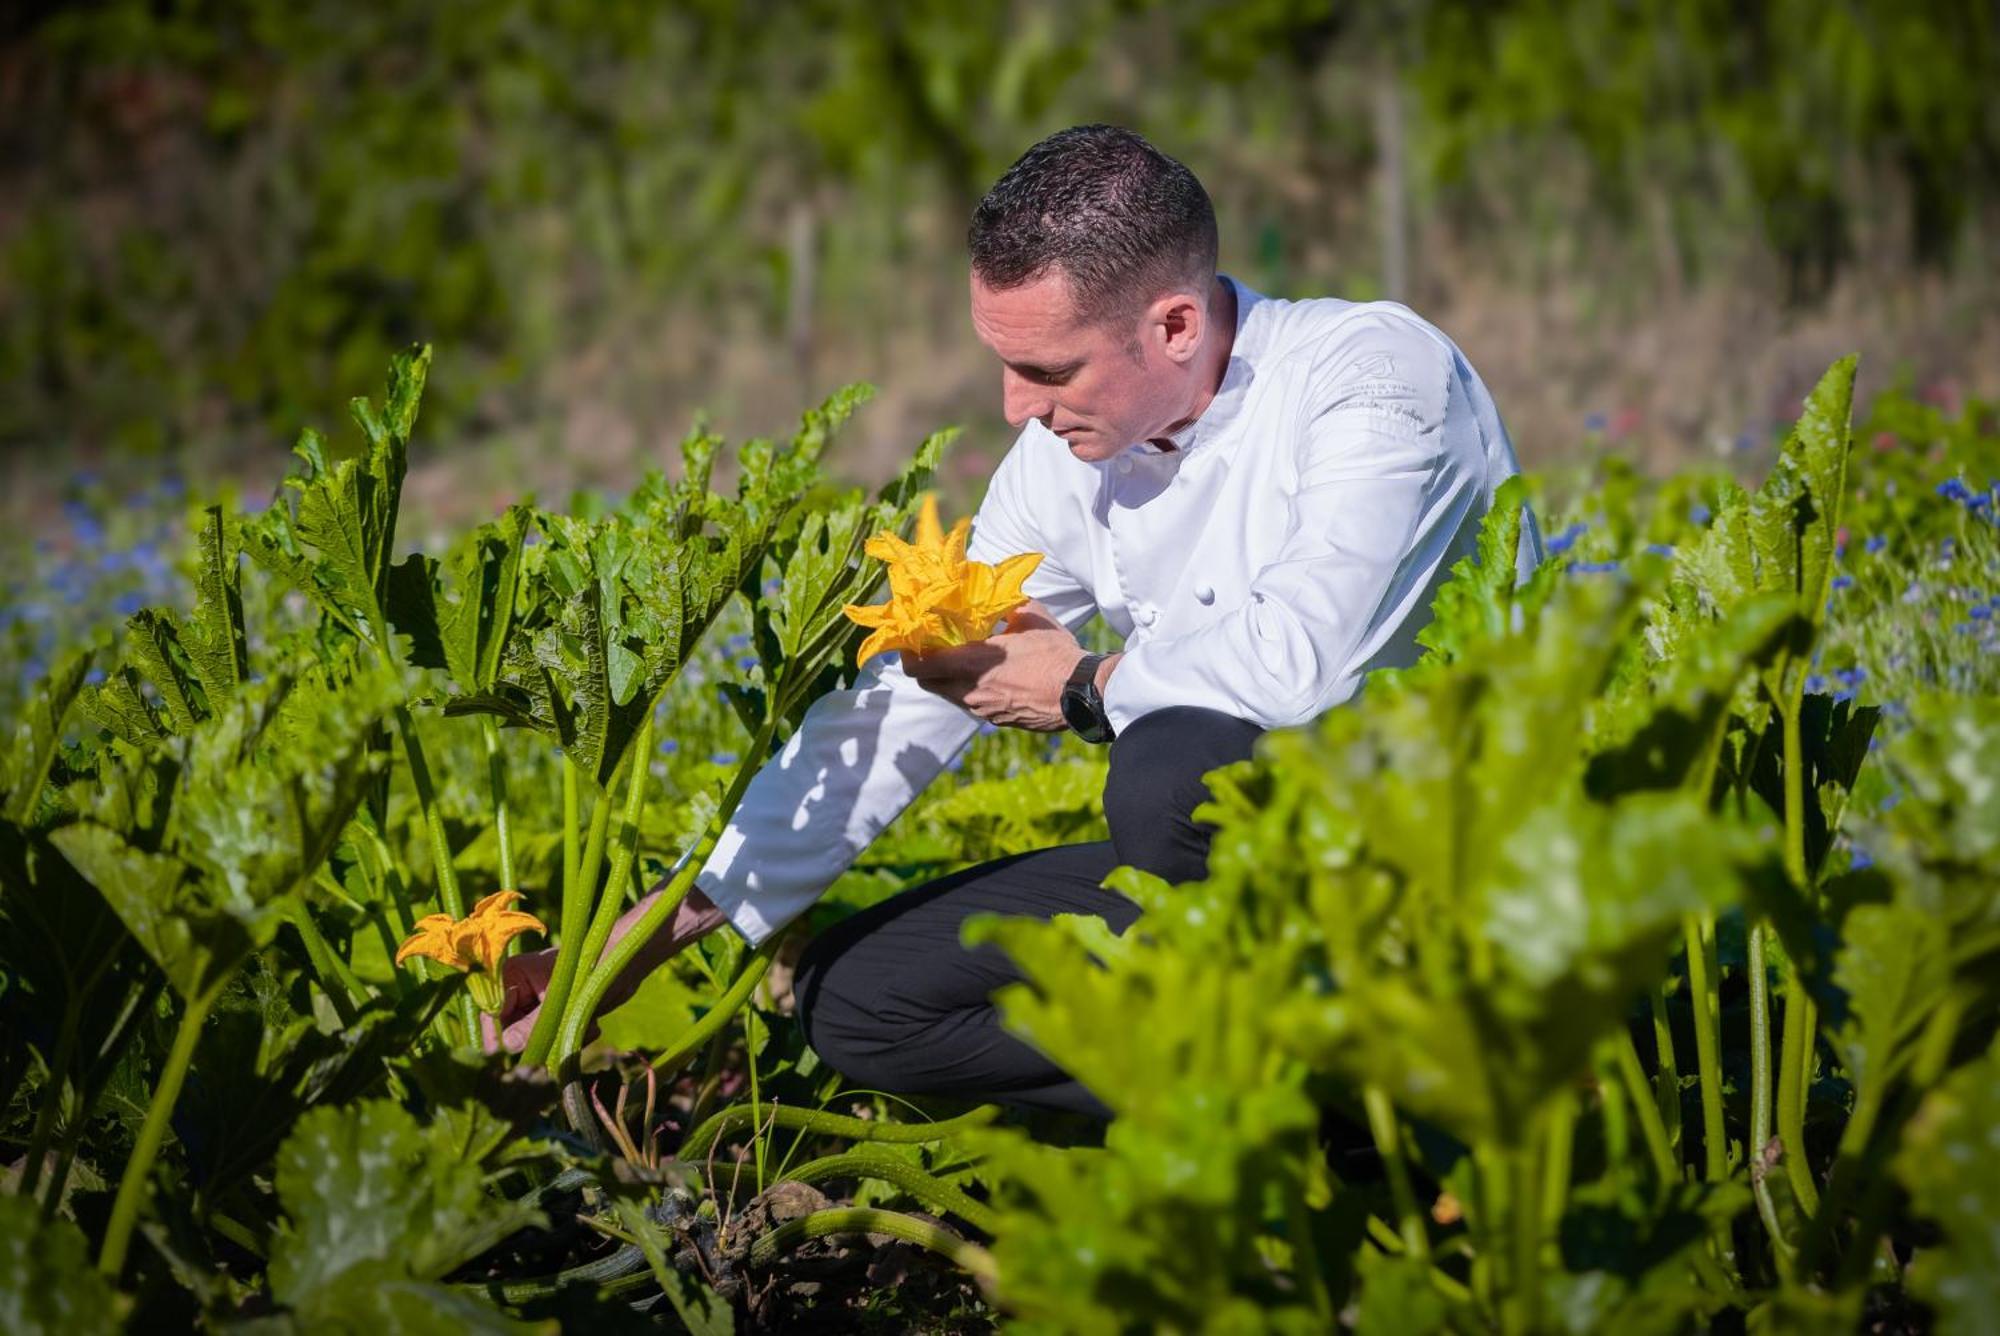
1122, 220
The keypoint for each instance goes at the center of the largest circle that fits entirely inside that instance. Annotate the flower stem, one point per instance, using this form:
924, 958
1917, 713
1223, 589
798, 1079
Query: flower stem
1651, 1127
139, 1168
449, 900
496, 781
1795, 1058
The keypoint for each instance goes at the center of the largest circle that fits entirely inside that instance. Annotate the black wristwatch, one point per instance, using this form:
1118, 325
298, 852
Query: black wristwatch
1083, 704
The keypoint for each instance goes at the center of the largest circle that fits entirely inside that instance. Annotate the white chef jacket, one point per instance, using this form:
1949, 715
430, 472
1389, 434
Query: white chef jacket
1290, 543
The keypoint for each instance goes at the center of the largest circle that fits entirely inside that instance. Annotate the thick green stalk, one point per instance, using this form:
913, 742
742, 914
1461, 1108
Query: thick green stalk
606, 971
932, 1192
576, 916
1556, 1162
449, 900
1651, 1128
738, 1116
864, 1220
624, 849
55, 1093
1525, 1307
1704, 989
1760, 1087
1388, 1134
139, 1168
1795, 1054
725, 1007
1667, 1084
496, 782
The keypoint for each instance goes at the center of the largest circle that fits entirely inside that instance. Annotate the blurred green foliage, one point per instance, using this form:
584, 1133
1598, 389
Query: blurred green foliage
220, 208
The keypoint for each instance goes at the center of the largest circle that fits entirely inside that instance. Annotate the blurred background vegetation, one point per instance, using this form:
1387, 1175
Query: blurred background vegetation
1650, 223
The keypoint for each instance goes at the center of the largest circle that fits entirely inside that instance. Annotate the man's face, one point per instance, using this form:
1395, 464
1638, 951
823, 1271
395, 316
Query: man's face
1098, 386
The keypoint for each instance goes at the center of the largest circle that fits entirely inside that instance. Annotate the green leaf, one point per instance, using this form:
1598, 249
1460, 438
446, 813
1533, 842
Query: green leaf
378, 1299
366, 1187
214, 638
47, 1286
152, 641
1950, 1162
1895, 967
38, 734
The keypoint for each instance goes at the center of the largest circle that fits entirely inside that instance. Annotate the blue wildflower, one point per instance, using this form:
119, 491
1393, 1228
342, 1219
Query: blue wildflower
746, 663
1850, 677
127, 604
1816, 682
741, 640
1660, 549
1954, 489
1967, 628
1980, 612
1592, 567
1875, 543
95, 677
172, 488
772, 586
668, 746
1947, 547
1859, 859
1566, 540
1595, 422
723, 758
1843, 582
1699, 513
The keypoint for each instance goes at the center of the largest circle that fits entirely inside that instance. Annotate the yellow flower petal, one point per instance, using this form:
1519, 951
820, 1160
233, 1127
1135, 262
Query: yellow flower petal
477, 941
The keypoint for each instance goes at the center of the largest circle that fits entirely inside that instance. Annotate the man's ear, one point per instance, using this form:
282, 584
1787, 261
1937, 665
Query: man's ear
1180, 319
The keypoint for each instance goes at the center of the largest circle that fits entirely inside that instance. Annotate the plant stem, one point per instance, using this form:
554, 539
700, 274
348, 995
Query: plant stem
1526, 1210
139, 1168
1704, 987
606, 971
624, 849
1667, 1083
1760, 1087
1382, 1125
932, 1192
576, 915
725, 1006
496, 781
342, 989
737, 1116
1651, 1128
1556, 1162
1795, 1055
449, 900
864, 1220
55, 1093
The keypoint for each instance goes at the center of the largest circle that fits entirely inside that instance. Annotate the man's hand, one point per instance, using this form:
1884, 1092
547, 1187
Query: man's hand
1014, 678
526, 976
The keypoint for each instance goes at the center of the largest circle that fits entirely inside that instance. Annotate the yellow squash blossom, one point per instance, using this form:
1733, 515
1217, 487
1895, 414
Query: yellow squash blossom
937, 598
477, 942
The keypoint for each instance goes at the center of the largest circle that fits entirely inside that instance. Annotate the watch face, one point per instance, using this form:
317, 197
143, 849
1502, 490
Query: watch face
1076, 712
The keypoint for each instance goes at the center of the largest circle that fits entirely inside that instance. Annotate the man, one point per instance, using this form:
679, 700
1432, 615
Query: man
1260, 496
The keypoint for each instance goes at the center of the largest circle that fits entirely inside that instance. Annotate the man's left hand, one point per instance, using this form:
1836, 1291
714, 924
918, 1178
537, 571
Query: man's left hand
1014, 678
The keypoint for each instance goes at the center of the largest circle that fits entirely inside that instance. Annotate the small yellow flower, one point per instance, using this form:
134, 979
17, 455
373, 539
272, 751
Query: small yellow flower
937, 598
477, 942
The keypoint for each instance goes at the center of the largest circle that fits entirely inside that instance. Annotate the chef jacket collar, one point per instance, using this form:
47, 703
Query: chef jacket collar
1229, 396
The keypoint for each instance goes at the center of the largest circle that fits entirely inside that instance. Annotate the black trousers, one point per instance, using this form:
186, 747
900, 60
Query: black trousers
894, 1002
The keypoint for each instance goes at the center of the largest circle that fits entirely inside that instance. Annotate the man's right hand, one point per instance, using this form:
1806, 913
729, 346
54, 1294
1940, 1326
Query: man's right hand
525, 977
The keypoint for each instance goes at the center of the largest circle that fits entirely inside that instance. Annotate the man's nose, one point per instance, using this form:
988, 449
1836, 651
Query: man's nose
1022, 399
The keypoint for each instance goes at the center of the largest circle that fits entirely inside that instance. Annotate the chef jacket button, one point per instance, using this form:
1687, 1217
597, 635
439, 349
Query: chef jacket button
1204, 593
1124, 463
1148, 615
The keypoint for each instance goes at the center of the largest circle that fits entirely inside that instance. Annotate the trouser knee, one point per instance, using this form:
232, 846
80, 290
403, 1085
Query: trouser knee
846, 1034
1157, 780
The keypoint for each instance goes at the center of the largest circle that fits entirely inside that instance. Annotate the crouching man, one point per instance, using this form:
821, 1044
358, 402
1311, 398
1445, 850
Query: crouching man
1260, 496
